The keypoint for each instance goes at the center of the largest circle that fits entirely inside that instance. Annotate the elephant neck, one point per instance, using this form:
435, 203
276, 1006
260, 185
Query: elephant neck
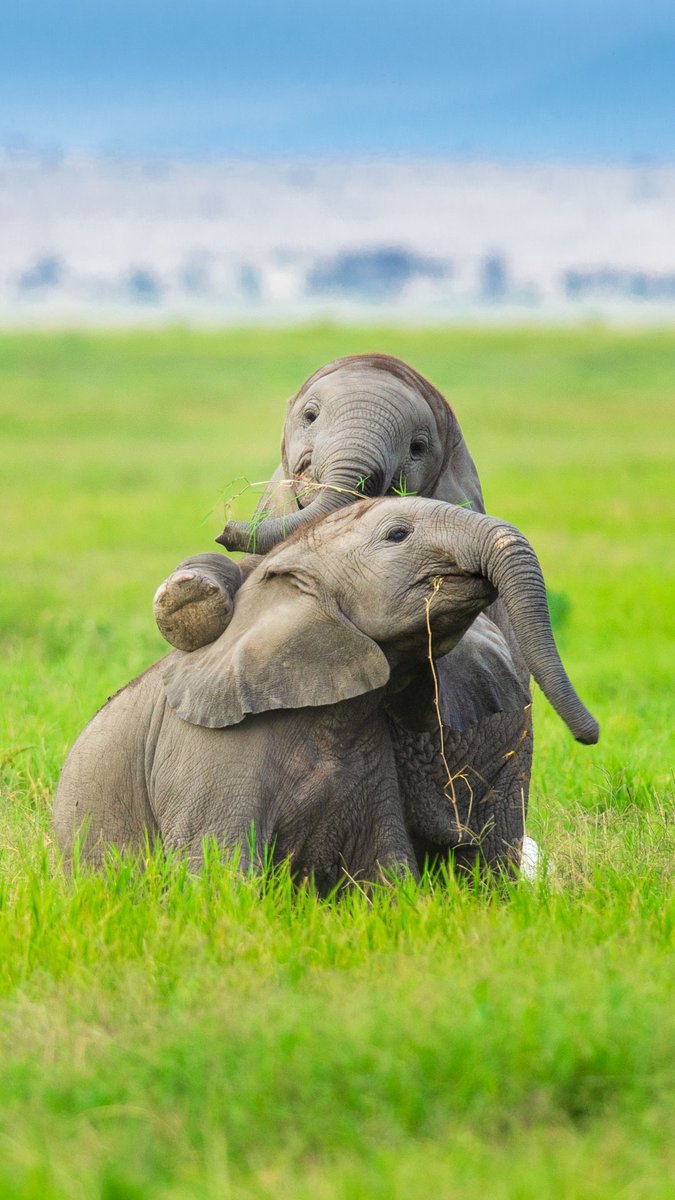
410, 696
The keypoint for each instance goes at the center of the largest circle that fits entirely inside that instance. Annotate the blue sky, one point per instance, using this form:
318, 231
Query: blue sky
512, 79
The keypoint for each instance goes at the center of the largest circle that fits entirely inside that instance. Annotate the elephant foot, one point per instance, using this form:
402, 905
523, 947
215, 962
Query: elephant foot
191, 609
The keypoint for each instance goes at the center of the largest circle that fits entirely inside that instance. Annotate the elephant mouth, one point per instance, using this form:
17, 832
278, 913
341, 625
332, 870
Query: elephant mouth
307, 484
302, 474
445, 582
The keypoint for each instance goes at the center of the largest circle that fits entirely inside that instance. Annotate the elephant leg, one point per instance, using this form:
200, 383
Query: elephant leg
241, 851
390, 849
345, 827
360, 842
195, 604
498, 769
473, 805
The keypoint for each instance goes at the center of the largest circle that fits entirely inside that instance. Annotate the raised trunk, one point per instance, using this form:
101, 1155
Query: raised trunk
503, 555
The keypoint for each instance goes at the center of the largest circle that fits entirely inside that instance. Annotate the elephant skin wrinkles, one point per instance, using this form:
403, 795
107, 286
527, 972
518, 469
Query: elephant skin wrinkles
284, 724
376, 418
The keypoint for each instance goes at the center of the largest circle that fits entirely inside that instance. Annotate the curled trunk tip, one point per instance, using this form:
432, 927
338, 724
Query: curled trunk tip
504, 556
588, 732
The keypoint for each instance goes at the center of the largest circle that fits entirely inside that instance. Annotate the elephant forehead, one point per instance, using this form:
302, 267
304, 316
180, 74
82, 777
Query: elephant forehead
351, 527
341, 532
374, 386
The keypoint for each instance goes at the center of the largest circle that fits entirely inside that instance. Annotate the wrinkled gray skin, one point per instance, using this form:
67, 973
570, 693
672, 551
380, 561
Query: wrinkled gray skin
369, 424
279, 723
359, 426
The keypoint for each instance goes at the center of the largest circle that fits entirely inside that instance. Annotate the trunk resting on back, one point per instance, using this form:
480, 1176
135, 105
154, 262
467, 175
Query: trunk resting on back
263, 533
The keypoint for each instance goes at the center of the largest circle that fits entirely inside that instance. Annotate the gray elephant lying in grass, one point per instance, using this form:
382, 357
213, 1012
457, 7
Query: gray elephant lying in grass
279, 725
370, 424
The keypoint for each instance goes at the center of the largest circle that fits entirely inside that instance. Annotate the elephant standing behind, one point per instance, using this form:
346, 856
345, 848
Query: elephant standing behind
278, 726
371, 425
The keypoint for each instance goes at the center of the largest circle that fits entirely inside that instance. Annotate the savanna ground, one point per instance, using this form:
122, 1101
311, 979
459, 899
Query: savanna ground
177, 1037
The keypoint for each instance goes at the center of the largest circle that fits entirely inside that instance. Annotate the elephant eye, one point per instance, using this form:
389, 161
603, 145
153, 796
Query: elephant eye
309, 415
418, 447
398, 534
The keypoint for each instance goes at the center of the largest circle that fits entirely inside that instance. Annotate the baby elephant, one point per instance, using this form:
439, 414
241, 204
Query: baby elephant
279, 725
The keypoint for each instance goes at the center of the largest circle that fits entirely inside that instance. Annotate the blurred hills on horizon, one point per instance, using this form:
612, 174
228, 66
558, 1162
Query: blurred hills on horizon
127, 240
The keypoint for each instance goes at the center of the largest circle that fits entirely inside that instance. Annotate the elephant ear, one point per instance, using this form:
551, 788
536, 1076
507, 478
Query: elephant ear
457, 481
479, 677
286, 647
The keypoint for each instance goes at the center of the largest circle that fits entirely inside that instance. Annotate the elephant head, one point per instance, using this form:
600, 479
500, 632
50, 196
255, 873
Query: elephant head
329, 614
366, 425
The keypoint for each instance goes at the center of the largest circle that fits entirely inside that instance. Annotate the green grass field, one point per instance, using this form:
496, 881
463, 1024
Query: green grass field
176, 1037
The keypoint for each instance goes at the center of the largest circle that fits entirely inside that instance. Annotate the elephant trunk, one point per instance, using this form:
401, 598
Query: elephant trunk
340, 484
502, 554
259, 536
